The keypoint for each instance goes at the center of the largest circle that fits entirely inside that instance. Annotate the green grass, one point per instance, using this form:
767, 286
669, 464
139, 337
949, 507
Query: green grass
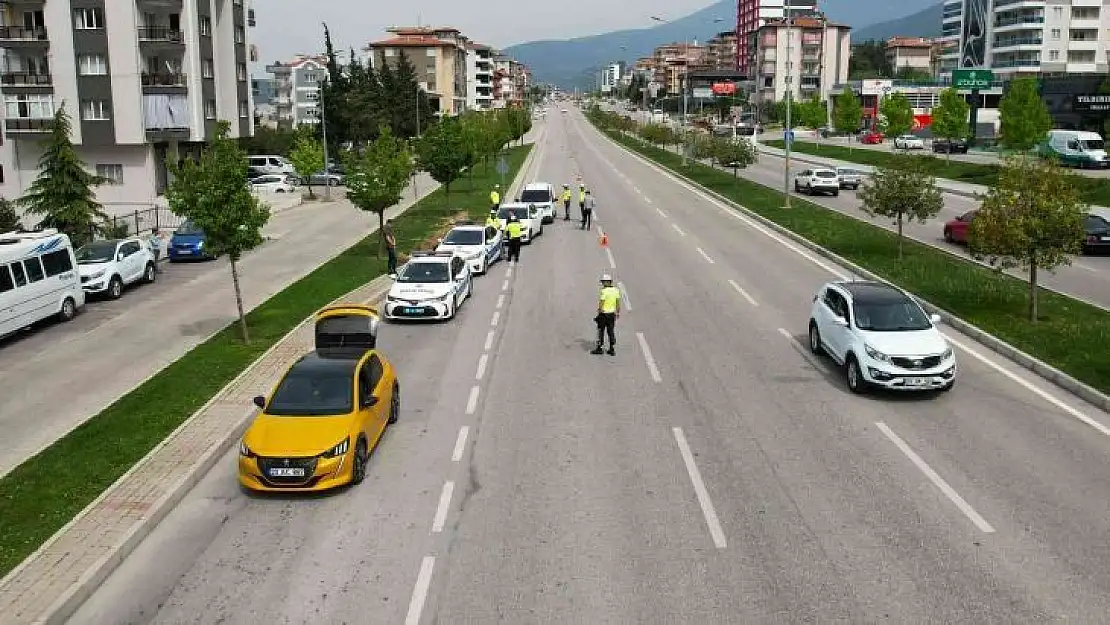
1094, 190
41, 495
1069, 335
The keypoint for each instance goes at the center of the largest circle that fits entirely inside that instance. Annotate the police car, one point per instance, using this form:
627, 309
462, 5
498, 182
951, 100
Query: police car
479, 245
542, 194
529, 216
432, 285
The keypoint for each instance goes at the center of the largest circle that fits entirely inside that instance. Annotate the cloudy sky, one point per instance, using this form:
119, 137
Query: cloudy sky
288, 27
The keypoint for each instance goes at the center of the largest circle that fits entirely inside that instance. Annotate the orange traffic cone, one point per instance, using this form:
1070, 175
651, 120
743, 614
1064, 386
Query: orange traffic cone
604, 240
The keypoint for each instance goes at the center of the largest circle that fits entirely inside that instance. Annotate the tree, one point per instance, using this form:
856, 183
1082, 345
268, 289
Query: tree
442, 152
1024, 119
903, 191
736, 154
848, 112
1032, 219
270, 140
62, 195
335, 93
9, 219
307, 157
812, 113
950, 117
211, 193
869, 60
897, 115
378, 176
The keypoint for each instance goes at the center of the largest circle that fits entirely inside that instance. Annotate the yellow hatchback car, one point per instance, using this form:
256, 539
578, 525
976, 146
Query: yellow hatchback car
328, 412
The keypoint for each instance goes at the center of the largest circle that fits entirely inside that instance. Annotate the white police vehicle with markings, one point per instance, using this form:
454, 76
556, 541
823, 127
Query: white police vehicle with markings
478, 244
432, 285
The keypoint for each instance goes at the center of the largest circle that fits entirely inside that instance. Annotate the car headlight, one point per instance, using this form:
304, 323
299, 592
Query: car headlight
442, 298
338, 450
245, 451
96, 275
200, 244
876, 354
390, 298
947, 354
474, 256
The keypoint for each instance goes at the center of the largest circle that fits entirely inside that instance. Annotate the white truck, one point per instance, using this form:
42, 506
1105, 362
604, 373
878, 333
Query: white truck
1076, 148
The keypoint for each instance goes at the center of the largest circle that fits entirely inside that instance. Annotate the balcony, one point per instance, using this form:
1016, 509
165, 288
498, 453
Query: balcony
161, 35
19, 35
1019, 22
26, 79
250, 18
1009, 5
166, 116
158, 80
1013, 44
26, 125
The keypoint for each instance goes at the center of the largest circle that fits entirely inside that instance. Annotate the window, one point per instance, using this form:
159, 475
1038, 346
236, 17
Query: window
240, 34
244, 109
6, 283
207, 68
95, 110
1058, 12
56, 262
34, 269
29, 106
88, 19
313, 393
241, 71
92, 65
113, 172
210, 109
18, 274
430, 53
205, 26
376, 371
1055, 33
390, 52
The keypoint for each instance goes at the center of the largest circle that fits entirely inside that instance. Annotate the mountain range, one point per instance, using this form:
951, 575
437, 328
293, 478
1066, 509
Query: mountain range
925, 23
575, 62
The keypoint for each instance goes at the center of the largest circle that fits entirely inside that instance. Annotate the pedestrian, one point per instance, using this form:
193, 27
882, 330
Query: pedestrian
495, 197
390, 247
587, 210
515, 231
155, 247
608, 311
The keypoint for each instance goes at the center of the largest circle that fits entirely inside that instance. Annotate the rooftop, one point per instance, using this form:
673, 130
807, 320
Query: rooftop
409, 41
333, 361
871, 292
805, 22
909, 42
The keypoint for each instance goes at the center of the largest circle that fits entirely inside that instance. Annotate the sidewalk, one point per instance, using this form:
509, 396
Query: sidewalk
51, 584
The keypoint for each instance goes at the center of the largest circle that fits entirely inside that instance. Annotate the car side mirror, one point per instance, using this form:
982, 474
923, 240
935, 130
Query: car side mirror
439, 241
119, 257
840, 321
935, 318
260, 401
370, 402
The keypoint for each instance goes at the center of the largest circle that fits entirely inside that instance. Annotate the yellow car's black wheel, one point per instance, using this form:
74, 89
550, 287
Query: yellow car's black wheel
395, 404
361, 456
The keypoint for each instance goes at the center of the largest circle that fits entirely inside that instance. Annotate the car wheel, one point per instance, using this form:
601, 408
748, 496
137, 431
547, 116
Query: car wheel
150, 274
470, 288
358, 473
797, 187
68, 310
280, 190
395, 404
853, 376
835, 193
948, 236
115, 287
814, 338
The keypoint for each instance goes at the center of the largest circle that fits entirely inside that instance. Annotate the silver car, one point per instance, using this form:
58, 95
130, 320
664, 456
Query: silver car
849, 178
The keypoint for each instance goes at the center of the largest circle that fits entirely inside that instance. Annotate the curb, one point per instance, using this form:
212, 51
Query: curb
1087, 393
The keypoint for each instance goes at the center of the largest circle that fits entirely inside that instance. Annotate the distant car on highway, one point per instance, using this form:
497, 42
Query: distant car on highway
950, 146
849, 178
909, 142
106, 267
189, 242
955, 230
881, 336
817, 180
1097, 235
432, 285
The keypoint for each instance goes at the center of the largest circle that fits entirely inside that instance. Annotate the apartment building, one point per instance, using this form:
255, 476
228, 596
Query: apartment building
720, 53
751, 15
1027, 37
439, 56
671, 62
479, 77
141, 79
611, 76
812, 52
296, 90
915, 53
511, 80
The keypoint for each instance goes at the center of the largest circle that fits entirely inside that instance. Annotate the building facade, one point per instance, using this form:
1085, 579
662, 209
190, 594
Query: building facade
611, 77
913, 53
812, 52
720, 54
439, 56
479, 77
510, 81
296, 90
751, 15
671, 63
142, 80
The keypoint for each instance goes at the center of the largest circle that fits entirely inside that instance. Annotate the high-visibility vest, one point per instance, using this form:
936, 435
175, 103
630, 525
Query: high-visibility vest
515, 230
566, 195
494, 197
494, 222
610, 298
581, 196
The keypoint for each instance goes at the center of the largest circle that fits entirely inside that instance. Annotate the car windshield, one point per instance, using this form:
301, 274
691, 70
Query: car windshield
424, 273
826, 174
890, 316
1094, 223
464, 237
521, 213
1093, 144
535, 195
189, 229
313, 393
100, 252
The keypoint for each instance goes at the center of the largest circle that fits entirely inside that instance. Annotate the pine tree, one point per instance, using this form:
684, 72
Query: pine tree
335, 92
63, 195
9, 219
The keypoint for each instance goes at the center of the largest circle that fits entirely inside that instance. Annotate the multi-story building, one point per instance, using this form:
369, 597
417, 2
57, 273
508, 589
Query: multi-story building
811, 51
296, 90
751, 15
915, 53
671, 63
439, 56
721, 51
510, 81
142, 80
611, 77
479, 77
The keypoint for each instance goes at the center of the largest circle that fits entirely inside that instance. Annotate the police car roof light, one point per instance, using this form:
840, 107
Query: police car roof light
443, 253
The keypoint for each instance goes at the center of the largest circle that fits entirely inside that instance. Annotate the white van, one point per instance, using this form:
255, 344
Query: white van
271, 164
38, 279
1076, 148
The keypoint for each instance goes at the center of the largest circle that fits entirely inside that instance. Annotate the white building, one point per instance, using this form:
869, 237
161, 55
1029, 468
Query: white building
479, 77
812, 52
611, 77
751, 15
297, 90
142, 80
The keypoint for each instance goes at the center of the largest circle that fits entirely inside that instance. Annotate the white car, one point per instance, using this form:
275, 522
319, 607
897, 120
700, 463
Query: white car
274, 183
542, 194
882, 337
479, 245
106, 267
528, 215
817, 180
909, 142
432, 285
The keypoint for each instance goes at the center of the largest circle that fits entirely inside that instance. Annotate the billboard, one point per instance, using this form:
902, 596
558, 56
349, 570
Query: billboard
723, 88
922, 121
703, 92
1091, 103
876, 87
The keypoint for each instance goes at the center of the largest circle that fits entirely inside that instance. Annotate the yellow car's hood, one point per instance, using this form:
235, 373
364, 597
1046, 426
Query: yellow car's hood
295, 436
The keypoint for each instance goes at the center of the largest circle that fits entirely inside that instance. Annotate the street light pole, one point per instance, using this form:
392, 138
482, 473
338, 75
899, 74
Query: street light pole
788, 135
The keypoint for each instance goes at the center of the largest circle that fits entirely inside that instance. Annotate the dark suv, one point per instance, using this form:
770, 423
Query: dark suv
948, 146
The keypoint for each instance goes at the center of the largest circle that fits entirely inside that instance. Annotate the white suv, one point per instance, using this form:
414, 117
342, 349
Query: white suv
882, 337
432, 285
106, 267
528, 215
817, 181
542, 194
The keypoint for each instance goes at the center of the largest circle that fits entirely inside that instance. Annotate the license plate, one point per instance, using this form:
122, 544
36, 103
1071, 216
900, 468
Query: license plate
1106, 238
413, 311
287, 472
918, 381
184, 251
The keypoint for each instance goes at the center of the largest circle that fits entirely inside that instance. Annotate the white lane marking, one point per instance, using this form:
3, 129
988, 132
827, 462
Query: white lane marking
496, 318
505, 285
787, 334
489, 339
647, 357
661, 213
705, 256
1085, 267
472, 401
482, 362
937, 480
441, 509
612, 261
509, 271
460, 443
741, 291
678, 230
420, 591
500, 300
624, 296
707, 510
1032, 388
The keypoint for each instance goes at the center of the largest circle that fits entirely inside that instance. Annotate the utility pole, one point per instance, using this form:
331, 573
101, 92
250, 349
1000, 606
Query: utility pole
788, 134
324, 129
684, 82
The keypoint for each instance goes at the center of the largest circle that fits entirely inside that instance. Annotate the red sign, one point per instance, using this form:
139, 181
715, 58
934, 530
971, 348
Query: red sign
724, 88
922, 121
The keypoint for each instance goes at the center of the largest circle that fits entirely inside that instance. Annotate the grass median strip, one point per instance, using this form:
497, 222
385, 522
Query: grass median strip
41, 495
1071, 335
1095, 190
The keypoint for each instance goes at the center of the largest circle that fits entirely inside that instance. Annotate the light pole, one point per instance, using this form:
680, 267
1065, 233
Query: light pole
788, 134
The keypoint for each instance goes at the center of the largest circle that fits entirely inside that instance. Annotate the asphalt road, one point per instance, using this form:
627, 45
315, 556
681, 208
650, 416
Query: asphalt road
711, 471
112, 347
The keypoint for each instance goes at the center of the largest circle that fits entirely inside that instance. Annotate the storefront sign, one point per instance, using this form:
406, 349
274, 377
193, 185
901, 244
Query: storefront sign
1091, 103
724, 88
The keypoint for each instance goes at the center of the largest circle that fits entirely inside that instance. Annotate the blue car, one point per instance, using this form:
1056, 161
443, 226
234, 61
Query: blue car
188, 243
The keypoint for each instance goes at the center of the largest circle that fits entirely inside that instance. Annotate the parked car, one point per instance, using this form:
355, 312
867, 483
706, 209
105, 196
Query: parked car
255, 172
329, 178
271, 164
108, 266
542, 194
849, 178
817, 180
37, 279
909, 142
955, 230
949, 146
1098, 235
274, 183
870, 137
189, 243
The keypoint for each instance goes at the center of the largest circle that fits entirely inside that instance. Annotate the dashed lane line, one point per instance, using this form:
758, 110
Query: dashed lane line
741, 291
460, 443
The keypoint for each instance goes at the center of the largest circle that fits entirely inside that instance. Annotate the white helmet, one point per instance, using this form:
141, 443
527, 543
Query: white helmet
606, 277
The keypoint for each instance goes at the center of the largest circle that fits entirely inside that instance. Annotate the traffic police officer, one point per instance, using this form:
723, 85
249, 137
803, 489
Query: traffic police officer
608, 310
581, 196
492, 220
495, 197
515, 232
566, 202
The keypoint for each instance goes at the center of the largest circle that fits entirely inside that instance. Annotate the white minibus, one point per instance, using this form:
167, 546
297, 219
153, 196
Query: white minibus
38, 279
